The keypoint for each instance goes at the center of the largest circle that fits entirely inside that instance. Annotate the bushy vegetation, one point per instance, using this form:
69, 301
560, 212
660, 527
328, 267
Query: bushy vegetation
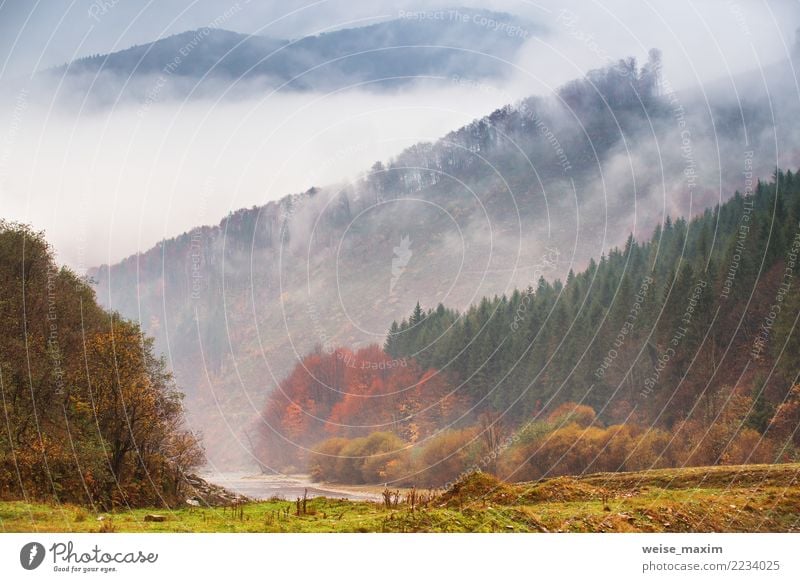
90, 414
561, 444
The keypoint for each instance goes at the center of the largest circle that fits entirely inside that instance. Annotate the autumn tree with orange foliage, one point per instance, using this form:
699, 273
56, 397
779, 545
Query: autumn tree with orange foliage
352, 394
92, 415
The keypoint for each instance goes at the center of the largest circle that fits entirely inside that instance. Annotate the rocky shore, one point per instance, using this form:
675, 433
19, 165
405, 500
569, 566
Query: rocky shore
201, 493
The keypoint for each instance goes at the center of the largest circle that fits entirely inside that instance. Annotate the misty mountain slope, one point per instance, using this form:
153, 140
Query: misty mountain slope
193, 53
707, 353
380, 55
480, 212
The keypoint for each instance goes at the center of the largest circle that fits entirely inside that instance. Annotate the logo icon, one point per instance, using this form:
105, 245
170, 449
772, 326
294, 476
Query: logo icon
31, 555
402, 255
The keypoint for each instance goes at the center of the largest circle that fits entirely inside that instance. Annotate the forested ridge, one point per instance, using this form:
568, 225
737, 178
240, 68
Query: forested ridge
90, 414
329, 60
678, 350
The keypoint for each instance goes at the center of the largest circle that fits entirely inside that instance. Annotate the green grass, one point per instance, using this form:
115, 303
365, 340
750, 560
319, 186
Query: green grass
722, 499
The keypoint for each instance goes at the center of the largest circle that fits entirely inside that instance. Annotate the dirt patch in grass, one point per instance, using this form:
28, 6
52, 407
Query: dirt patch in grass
484, 488
480, 487
562, 489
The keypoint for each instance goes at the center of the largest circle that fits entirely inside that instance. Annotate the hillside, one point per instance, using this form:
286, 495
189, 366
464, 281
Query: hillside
678, 351
235, 306
533, 189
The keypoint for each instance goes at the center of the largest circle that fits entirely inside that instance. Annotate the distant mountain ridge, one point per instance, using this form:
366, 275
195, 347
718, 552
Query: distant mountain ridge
478, 43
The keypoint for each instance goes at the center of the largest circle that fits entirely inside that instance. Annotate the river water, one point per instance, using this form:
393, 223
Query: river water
288, 487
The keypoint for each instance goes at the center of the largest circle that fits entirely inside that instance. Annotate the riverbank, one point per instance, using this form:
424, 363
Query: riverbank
289, 487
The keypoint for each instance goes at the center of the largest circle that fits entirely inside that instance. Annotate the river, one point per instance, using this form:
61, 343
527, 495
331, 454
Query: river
288, 487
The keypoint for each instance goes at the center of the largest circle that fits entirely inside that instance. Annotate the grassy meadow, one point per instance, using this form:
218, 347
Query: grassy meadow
749, 498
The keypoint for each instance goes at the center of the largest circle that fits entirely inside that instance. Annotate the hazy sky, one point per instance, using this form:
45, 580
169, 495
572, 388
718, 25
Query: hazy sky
106, 184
